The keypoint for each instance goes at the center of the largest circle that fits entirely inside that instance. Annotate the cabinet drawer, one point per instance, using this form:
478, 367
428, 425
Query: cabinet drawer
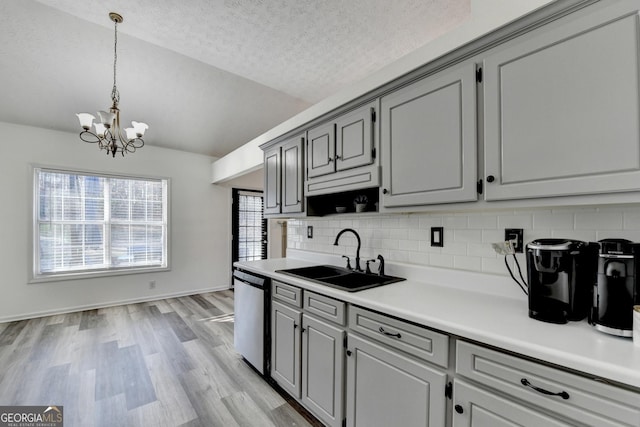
324, 307
423, 343
286, 293
582, 399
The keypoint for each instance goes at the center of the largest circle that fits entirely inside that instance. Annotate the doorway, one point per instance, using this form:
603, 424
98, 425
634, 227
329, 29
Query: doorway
249, 228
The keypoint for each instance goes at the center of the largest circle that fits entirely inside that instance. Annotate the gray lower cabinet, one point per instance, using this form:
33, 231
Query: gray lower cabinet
388, 388
285, 347
307, 350
476, 407
428, 140
562, 107
323, 369
515, 391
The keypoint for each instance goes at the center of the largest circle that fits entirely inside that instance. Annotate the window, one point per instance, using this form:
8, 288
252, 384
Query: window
98, 223
249, 226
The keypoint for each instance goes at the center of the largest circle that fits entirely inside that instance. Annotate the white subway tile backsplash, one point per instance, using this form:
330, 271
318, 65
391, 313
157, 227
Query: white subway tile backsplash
454, 248
483, 222
455, 222
441, 260
599, 221
467, 236
467, 263
515, 221
426, 222
549, 221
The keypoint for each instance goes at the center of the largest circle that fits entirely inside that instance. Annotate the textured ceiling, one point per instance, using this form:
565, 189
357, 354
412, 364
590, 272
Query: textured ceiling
206, 75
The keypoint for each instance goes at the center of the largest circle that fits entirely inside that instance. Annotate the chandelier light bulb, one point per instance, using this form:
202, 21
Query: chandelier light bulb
86, 120
140, 128
108, 134
100, 129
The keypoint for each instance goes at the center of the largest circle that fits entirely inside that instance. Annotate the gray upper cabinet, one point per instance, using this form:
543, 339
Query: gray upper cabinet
272, 177
428, 140
283, 177
344, 143
321, 150
341, 153
562, 107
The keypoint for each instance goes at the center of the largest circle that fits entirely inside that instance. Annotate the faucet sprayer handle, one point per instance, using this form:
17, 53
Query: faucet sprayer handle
348, 262
368, 270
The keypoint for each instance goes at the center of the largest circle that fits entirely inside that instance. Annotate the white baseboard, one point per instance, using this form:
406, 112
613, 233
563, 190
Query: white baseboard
148, 298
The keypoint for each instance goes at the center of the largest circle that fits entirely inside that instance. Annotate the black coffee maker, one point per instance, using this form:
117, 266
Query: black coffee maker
615, 291
561, 274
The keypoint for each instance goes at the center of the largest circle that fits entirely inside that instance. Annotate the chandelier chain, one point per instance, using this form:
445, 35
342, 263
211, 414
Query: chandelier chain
115, 95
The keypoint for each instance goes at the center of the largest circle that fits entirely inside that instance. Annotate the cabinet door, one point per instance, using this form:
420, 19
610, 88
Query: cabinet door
354, 138
321, 150
285, 347
292, 175
428, 140
387, 388
562, 107
322, 370
272, 181
476, 407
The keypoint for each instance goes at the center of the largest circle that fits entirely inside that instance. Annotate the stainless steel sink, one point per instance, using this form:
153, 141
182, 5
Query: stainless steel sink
340, 278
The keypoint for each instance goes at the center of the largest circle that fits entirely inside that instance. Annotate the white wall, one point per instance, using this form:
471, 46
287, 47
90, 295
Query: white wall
200, 224
467, 235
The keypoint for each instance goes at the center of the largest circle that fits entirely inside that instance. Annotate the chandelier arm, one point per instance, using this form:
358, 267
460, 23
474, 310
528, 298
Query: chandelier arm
86, 133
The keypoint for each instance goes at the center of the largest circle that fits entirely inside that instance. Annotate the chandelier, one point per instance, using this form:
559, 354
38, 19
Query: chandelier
107, 132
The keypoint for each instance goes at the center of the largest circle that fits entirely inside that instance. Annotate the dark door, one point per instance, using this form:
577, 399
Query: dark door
249, 226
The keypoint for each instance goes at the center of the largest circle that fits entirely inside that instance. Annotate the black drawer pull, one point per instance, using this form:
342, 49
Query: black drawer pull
389, 334
562, 394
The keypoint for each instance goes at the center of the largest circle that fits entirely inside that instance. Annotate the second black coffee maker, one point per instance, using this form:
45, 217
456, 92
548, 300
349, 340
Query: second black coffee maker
561, 274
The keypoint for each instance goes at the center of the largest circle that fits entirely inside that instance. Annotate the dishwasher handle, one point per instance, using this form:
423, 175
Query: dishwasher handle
251, 279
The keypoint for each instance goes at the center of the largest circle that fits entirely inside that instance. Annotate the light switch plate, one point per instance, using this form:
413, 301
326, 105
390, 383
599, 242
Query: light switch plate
310, 231
437, 236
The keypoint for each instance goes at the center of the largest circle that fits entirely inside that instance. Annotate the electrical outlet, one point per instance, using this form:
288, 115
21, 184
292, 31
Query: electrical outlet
152, 284
516, 236
437, 237
310, 231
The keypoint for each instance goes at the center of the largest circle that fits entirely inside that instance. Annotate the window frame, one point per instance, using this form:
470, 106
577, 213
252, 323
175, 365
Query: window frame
35, 277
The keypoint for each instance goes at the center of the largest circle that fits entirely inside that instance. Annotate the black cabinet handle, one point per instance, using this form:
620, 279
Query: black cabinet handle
295, 326
349, 353
562, 394
491, 178
330, 160
389, 334
385, 191
304, 329
459, 409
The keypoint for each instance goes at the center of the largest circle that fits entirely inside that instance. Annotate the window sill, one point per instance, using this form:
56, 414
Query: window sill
63, 277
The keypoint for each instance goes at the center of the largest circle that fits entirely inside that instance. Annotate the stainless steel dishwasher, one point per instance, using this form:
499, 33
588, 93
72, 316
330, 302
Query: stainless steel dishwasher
251, 330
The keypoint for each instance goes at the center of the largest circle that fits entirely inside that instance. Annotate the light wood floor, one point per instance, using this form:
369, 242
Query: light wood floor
162, 363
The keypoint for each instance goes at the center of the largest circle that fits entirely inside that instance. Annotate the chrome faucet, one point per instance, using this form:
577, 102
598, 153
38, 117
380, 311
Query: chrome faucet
357, 268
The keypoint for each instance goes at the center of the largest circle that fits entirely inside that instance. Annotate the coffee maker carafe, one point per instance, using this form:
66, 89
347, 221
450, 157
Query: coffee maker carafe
615, 291
561, 274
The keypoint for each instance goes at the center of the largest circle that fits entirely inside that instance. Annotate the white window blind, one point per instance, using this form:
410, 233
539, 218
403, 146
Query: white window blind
92, 223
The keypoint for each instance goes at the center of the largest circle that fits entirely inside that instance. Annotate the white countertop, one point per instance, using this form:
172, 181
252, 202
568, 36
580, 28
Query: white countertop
477, 311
